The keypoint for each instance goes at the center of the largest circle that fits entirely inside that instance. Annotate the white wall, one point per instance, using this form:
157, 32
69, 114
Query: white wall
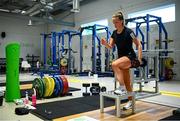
103, 9
17, 30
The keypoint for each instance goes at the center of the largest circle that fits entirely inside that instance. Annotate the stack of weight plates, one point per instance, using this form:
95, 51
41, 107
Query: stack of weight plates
51, 86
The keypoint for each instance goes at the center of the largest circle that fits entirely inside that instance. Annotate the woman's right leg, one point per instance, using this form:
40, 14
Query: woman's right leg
118, 73
118, 66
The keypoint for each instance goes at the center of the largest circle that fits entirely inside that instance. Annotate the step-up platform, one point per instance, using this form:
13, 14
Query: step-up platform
118, 98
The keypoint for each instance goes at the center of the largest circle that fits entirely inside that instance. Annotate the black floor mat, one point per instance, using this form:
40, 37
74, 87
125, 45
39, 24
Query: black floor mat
52, 110
170, 118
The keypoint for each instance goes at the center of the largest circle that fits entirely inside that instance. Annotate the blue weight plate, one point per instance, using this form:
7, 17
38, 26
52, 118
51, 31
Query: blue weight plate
57, 87
61, 85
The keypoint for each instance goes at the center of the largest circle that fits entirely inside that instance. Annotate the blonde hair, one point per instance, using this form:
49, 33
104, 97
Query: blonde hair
118, 15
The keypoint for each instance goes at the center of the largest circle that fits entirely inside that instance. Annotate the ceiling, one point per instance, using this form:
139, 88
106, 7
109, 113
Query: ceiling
47, 9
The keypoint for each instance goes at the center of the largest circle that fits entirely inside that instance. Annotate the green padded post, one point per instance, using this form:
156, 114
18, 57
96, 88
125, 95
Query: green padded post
12, 72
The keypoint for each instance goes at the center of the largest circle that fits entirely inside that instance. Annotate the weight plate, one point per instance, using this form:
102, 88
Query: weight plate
56, 88
65, 84
47, 86
169, 62
42, 86
63, 70
37, 84
52, 85
61, 85
64, 62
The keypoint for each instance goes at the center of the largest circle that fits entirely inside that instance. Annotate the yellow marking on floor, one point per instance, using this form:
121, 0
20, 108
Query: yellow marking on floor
74, 80
174, 94
78, 81
169, 92
171, 95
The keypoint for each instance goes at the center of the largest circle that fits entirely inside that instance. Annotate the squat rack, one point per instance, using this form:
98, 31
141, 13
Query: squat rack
52, 37
70, 34
96, 54
55, 47
147, 20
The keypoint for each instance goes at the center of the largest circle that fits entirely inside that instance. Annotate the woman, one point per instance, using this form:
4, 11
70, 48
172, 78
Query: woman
123, 38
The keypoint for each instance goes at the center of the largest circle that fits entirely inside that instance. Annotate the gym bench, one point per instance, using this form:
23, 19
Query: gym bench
118, 98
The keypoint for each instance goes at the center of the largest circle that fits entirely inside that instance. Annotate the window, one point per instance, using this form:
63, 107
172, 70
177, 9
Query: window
103, 22
167, 14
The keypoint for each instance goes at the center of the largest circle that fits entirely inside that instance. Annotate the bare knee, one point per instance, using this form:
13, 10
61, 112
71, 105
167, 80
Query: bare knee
114, 65
117, 65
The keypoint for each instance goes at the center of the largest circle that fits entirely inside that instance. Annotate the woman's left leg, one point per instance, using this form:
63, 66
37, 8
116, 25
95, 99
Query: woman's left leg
127, 81
128, 85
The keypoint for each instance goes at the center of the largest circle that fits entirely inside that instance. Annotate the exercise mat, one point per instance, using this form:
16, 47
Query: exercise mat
49, 111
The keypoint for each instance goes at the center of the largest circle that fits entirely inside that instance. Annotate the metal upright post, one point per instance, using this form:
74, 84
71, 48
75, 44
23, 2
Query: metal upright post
81, 51
44, 39
94, 50
59, 42
161, 68
62, 42
147, 42
142, 35
107, 52
53, 47
69, 53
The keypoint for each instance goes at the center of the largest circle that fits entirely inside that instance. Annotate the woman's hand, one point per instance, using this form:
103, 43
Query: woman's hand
103, 41
140, 60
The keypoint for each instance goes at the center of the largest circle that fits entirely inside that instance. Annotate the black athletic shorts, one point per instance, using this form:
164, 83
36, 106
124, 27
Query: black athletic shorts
134, 61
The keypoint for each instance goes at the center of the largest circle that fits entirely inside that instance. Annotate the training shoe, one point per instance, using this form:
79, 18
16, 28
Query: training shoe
128, 105
120, 91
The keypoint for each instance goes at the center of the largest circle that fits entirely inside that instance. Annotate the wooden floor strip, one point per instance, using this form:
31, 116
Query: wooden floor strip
144, 111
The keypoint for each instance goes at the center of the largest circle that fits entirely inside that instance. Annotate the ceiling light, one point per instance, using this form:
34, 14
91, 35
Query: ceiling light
75, 6
4, 10
23, 12
30, 23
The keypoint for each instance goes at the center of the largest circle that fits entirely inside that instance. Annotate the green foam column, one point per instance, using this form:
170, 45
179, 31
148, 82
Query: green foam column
12, 72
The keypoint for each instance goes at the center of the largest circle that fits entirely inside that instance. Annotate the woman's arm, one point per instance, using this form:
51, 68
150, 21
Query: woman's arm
108, 45
138, 45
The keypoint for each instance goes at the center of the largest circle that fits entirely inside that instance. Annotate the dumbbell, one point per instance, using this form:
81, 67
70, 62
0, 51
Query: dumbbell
135, 63
95, 84
96, 89
144, 62
103, 89
86, 85
176, 112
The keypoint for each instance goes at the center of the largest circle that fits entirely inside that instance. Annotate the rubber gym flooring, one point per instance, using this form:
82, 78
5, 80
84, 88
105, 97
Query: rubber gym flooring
48, 111
144, 110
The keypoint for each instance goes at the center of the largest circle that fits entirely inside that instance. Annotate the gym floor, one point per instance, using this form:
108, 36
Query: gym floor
152, 108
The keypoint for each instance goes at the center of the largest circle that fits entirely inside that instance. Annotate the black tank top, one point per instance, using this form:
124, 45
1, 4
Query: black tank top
124, 42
